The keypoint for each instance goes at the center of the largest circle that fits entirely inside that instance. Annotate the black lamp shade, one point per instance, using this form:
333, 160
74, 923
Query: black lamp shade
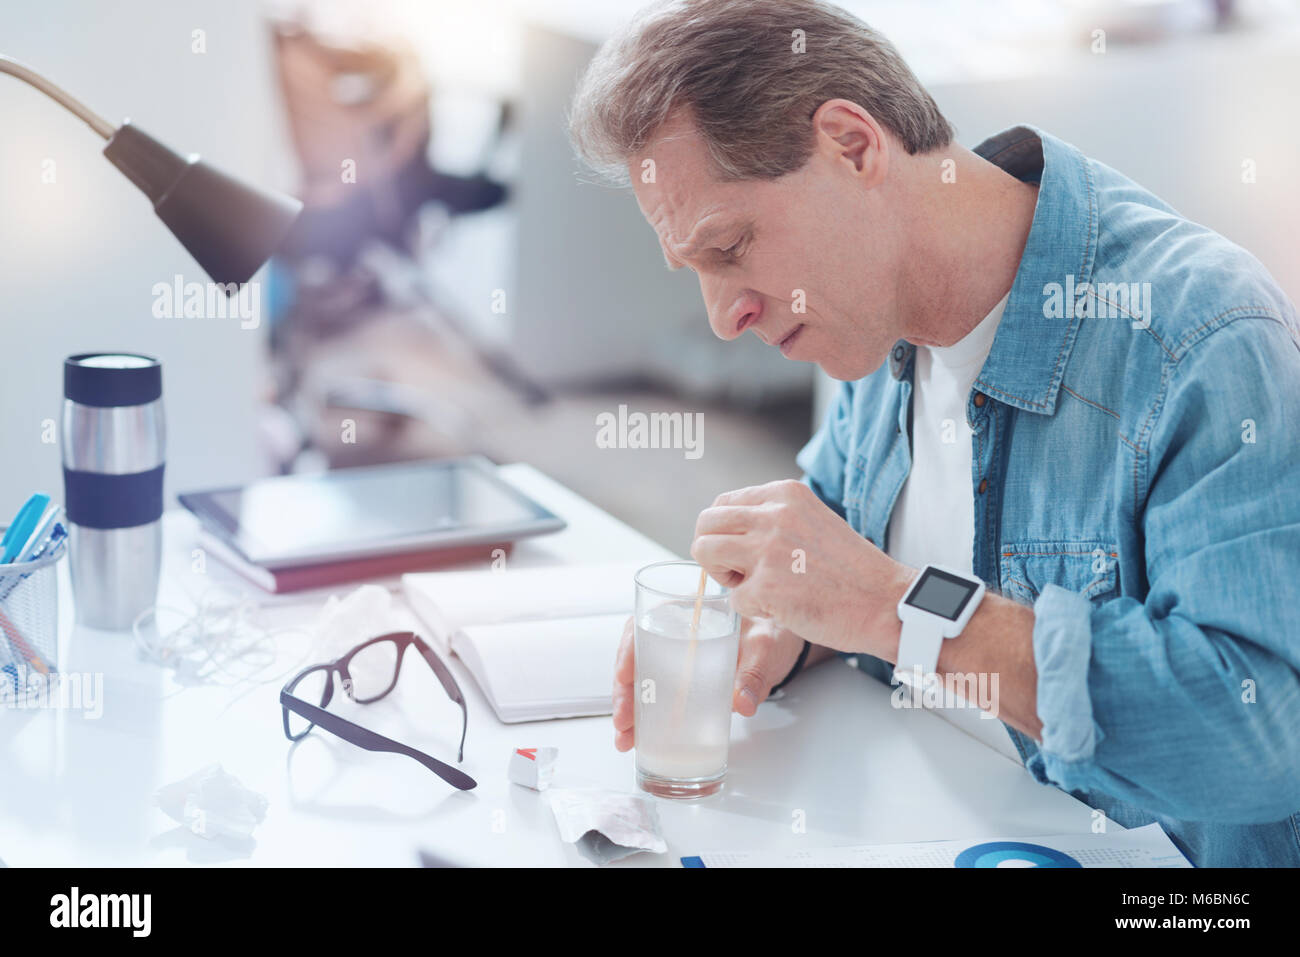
229, 227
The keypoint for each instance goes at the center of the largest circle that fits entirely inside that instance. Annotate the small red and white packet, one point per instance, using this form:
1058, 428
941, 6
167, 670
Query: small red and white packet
533, 767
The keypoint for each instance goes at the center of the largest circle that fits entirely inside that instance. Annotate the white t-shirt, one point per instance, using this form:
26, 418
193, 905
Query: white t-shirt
934, 518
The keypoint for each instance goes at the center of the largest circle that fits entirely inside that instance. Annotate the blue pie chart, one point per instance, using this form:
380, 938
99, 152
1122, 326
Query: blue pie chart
1013, 854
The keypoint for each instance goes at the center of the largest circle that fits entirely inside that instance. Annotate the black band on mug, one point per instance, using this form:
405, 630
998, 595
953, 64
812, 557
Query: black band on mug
100, 500
88, 380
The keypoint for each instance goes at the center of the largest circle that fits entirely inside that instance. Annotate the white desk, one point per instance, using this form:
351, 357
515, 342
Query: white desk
79, 792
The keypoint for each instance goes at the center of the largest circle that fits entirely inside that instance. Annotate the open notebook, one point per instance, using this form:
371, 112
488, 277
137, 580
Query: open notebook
540, 642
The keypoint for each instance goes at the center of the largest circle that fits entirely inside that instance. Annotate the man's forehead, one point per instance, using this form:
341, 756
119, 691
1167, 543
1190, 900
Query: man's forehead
678, 193
678, 141
685, 228
673, 168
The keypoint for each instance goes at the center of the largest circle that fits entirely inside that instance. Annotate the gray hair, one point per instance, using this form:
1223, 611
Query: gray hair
751, 93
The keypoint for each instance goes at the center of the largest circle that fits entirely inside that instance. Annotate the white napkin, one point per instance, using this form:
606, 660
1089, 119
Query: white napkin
605, 825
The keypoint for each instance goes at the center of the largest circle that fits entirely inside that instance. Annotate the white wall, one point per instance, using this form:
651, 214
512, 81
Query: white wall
78, 257
1179, 119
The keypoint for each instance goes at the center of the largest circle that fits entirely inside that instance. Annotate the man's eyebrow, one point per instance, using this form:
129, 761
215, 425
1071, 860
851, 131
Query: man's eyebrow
710, 234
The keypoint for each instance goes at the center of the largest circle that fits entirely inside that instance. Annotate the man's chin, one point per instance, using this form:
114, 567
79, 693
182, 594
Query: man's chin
851, 368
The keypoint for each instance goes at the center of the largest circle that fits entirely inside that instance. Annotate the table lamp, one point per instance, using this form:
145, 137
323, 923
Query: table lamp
229, 227
113, 430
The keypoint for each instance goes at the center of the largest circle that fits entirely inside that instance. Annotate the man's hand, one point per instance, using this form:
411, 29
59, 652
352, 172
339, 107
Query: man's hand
767, 653
787, 556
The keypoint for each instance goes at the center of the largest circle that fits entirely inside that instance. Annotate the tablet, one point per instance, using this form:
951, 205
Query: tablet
294, 520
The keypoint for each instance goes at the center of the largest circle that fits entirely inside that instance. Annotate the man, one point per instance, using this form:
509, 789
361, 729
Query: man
1051, 384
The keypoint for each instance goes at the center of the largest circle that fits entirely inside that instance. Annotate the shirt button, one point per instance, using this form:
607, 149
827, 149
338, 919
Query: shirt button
979, 400
984, 484
898, 353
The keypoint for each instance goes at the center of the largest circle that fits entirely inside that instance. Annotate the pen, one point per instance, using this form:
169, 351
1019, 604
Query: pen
18, 642
20, 529
45, 534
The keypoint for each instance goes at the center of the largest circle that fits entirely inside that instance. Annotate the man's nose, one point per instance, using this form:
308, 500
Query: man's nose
731, 312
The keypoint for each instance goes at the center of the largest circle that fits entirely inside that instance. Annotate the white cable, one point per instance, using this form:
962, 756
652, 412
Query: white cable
62, 97
218, 640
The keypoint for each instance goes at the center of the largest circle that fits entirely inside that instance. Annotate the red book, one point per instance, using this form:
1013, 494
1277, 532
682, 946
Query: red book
323, 574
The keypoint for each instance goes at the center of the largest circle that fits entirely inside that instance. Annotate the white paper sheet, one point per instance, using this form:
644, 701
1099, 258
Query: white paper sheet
561, 668
525, 594
539, 641
1147, 846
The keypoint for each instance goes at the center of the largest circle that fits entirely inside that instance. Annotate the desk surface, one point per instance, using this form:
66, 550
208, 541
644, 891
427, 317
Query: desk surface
832, 754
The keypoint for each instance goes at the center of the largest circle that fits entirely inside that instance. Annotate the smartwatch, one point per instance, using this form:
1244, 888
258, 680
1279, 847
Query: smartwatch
937, 606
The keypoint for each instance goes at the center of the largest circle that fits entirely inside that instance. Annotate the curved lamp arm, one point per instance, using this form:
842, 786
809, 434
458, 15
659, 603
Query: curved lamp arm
230, 228
29, 76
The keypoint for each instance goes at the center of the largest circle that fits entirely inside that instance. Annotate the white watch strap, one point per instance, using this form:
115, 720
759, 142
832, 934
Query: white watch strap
918, 647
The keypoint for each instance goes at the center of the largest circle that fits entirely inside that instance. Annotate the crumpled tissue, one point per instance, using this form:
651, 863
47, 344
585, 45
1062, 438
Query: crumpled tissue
213, 804
606, 826
343, 623
365, 612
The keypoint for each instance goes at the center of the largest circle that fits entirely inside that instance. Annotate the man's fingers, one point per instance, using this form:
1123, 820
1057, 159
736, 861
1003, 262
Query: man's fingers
758, 494
753, 677
726, 520
624, 659
624, 719
725, 557
751, 495
624, 704
767, 653
749, 599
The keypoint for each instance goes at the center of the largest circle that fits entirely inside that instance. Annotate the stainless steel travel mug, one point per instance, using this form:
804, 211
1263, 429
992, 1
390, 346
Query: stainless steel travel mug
113, 439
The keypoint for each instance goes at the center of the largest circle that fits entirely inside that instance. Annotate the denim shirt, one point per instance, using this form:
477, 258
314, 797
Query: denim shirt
1136, 479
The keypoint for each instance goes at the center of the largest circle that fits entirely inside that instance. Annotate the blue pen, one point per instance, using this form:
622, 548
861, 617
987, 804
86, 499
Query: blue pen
20, 529
46, 536
39, 535
15, 539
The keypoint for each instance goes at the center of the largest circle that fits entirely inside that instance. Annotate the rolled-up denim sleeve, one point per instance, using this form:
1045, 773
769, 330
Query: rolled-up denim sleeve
823, 459
1187, 703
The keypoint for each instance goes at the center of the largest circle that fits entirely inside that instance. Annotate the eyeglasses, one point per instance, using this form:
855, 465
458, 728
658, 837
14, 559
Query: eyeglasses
369, 672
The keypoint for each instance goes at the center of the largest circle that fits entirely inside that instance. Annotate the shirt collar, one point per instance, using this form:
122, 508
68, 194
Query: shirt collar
1030, 351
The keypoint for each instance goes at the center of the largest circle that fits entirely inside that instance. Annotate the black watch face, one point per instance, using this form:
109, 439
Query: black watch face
941, 594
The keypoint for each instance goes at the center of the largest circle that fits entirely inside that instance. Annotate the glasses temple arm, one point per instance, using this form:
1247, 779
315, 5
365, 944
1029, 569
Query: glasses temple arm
440, 669
370, 741
448, 682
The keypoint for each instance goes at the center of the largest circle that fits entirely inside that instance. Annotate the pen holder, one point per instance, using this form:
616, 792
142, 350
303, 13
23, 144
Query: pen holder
29, 618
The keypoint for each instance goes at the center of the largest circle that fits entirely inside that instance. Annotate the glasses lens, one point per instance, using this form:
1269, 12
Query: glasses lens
310, 688
373, 670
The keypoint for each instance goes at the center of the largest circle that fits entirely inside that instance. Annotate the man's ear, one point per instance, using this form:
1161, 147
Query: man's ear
847, 133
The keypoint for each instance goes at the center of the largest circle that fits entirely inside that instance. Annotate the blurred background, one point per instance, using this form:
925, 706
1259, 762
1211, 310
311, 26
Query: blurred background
472, 290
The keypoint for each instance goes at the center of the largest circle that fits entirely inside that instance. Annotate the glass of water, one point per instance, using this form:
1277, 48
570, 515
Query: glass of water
684, 681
